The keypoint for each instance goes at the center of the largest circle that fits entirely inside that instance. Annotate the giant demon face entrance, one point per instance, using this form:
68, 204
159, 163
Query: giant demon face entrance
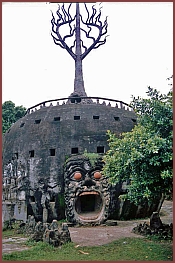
88, 205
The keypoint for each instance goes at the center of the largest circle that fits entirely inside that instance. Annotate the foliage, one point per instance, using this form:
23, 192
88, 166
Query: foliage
143, 157
155, 113
61, 200
91, 156
7, 225
10, 114
123, 249
10, 229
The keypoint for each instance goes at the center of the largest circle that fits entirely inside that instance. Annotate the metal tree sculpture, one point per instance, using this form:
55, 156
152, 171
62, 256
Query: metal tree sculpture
78, 50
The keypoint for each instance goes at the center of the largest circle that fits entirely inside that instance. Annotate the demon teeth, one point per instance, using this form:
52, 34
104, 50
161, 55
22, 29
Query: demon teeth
89, 193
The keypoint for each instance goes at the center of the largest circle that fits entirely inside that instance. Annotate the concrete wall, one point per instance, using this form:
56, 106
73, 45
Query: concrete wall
44, 139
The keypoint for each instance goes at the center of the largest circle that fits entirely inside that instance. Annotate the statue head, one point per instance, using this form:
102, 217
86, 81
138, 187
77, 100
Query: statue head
87, 194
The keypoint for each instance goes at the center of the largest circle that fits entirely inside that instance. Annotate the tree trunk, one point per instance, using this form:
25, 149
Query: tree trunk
160, 203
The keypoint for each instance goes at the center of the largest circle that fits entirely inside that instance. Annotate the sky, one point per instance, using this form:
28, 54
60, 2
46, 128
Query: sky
138, 53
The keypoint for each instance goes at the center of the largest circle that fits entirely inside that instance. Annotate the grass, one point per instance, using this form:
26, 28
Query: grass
11, 232
123, 249
138, 249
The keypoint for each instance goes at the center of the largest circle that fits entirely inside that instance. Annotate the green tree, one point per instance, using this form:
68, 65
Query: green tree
10, 114
143, 157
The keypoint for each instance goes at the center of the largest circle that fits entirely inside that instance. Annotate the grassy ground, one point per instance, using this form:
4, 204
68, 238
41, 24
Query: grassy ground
123, 249
140, 249
6, 233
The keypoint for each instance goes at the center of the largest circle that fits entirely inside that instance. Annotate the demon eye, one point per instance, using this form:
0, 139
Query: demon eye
97, 175
77, 175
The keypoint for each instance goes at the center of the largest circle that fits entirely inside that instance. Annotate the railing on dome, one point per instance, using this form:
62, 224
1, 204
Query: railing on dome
72, 100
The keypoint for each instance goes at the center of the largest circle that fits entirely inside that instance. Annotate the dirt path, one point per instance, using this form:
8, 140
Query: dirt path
100, 235
96, 236
13, 244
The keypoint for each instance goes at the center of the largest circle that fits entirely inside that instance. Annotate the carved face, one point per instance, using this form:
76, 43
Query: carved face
86, 192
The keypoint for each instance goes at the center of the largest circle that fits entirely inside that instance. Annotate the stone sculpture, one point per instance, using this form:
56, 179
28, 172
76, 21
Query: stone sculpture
87, 195
49, 233
79, 50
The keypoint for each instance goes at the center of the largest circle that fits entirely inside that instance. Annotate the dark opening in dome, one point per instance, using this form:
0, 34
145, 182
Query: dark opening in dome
88, 205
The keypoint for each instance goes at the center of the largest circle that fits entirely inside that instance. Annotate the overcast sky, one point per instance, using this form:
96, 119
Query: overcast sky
138, 53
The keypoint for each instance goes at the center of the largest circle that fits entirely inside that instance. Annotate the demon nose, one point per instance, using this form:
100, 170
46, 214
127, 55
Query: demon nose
88, 182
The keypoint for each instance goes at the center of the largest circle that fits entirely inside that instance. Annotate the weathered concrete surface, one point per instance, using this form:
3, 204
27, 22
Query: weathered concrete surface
36, 147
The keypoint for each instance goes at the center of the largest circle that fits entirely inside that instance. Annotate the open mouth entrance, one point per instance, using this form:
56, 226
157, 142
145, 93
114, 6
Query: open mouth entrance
88, 205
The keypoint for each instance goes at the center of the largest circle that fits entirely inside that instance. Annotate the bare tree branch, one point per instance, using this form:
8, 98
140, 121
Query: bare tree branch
76, 27
92, 21
67, 19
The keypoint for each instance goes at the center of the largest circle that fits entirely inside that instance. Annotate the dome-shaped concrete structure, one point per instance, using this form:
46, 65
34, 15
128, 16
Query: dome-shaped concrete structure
37, 146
